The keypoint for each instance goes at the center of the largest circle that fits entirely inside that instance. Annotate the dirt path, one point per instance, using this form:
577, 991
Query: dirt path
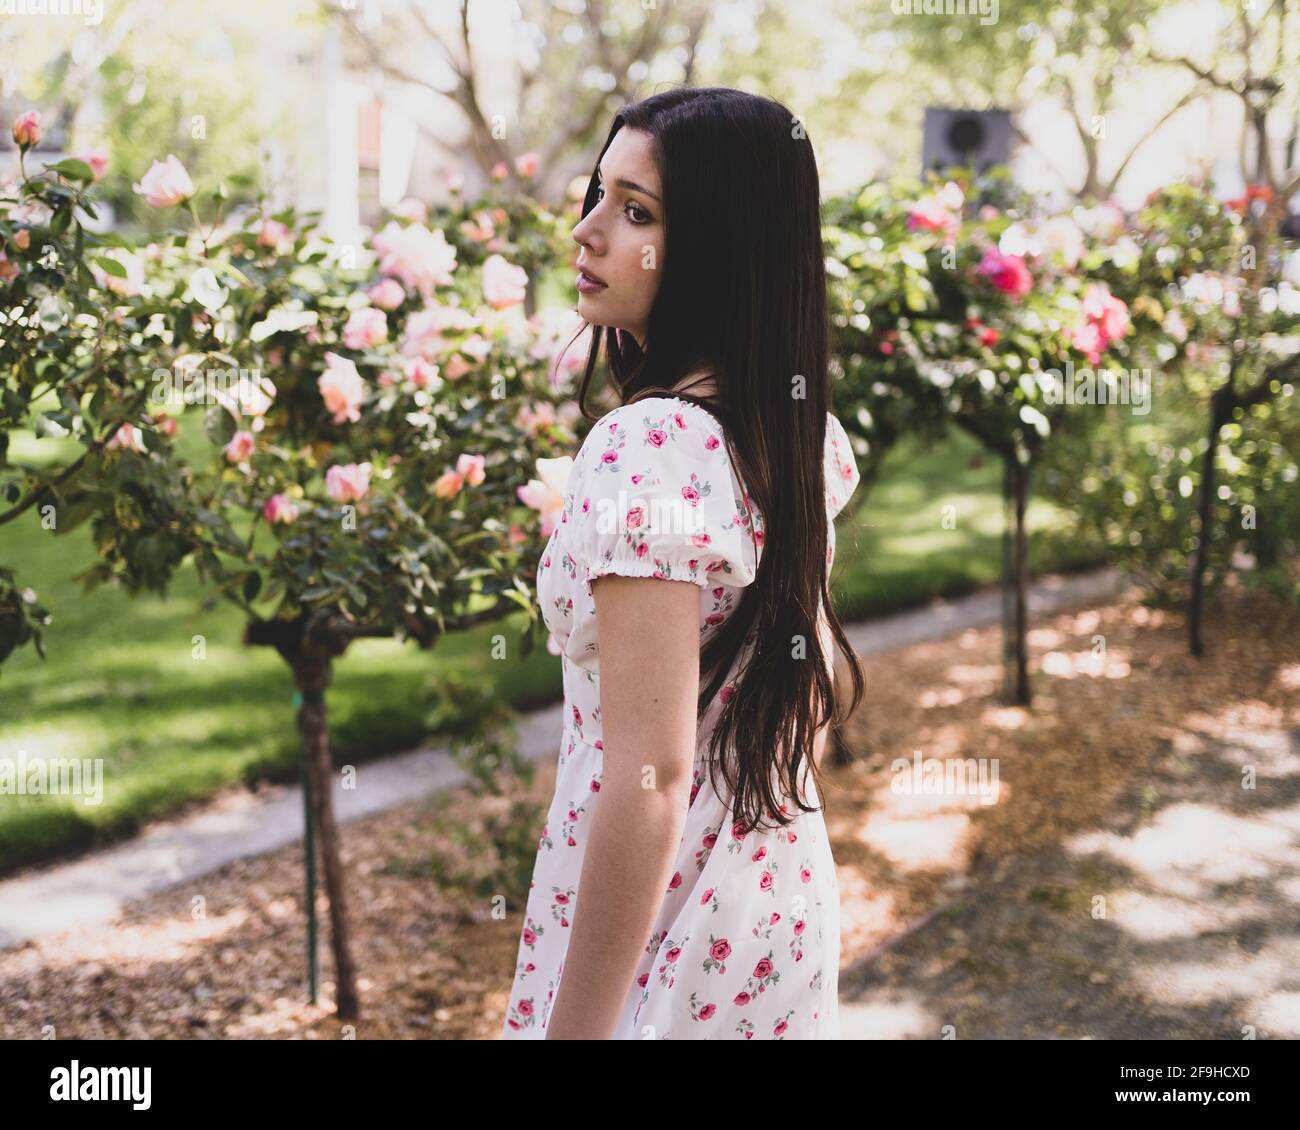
1122, 782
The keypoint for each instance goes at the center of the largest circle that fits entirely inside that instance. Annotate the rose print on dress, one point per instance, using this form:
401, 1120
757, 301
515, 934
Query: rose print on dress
719, 951
764, 926
702, 1011
796, 940
522, 1014
562, 904
706, 848
668, 970
764, 976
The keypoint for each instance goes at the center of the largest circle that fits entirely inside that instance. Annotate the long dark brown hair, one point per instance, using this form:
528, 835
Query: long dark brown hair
743, 295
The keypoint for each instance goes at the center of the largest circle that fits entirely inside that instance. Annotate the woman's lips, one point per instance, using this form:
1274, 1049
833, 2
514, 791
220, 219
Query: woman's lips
589, 284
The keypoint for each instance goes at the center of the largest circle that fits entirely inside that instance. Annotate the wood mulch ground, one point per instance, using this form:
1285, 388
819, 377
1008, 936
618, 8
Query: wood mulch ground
222, 957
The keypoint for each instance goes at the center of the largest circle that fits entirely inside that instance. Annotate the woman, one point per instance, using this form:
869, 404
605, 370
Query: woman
684, 886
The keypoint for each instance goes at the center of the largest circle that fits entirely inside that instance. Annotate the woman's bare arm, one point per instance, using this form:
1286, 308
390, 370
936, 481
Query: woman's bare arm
648, 637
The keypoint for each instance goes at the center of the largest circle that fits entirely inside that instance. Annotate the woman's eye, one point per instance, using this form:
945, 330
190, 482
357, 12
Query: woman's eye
632, 204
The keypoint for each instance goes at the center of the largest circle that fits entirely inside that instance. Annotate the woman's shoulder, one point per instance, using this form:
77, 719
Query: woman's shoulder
661, 429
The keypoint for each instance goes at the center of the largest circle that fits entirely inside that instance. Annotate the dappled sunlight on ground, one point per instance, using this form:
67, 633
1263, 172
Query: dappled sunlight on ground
1121, 882
1139, 874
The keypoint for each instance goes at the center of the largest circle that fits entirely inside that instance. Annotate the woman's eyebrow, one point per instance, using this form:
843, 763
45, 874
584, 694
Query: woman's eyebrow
629, 184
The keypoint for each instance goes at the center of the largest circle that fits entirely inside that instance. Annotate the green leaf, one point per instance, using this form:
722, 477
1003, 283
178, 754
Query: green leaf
219, 425
110, 266
73, 169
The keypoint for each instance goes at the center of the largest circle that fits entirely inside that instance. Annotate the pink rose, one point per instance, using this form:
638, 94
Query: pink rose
763, 969
456, 367
656, 437
690, 494
342, 387
707, 1011
470, 467
1006, 272
27, 129
366, 328
720, 950
526, 165
348, 482
503, 283
272, 233
448, 485
166, 183
634, 516
420, 373
127, 436
478, 227
1105, 320
1101, 306
938, 212
425, 329
387, 294
280, 508
421, 258
532, 420
240, 447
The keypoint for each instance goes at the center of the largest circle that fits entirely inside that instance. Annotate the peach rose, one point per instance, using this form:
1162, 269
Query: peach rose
342, 387
348, 482
504, 284
166, 183
367, 327
27, 129
448, 485
471, 468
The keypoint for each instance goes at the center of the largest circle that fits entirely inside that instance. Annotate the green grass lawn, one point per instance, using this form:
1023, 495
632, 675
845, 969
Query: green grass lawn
122, 681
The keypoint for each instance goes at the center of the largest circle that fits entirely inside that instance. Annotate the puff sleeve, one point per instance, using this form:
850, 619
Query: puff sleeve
656, 496
841, 470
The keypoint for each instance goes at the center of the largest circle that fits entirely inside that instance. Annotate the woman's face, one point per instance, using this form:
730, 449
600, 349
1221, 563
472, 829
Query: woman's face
622, 238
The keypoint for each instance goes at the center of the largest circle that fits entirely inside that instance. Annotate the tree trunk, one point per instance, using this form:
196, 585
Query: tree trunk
311, 672
1201, 557
1015, 587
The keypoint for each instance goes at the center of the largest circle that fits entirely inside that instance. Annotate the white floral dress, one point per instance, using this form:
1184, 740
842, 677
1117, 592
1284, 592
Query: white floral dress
746, 941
